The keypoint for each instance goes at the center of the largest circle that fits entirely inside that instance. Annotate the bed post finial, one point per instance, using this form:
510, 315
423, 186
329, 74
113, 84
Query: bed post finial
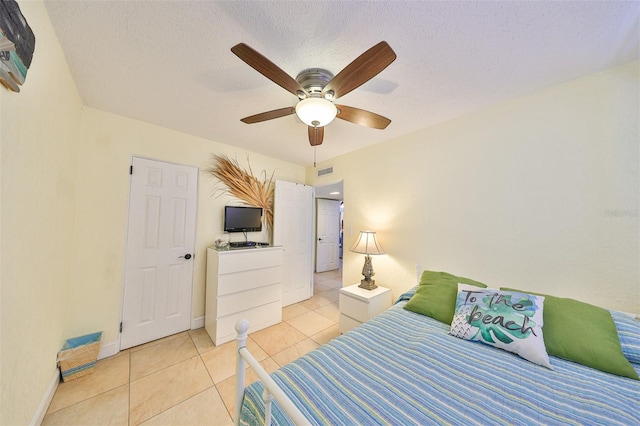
242, 326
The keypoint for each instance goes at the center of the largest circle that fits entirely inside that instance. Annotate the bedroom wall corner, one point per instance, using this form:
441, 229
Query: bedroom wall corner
108, 143
39, 136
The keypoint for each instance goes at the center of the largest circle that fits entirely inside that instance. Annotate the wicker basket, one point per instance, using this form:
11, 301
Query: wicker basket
78, 356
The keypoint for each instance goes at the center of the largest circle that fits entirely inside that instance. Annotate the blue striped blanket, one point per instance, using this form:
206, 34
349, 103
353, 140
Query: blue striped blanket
403, 368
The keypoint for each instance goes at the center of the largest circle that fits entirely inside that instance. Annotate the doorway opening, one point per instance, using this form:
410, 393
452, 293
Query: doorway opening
329, 231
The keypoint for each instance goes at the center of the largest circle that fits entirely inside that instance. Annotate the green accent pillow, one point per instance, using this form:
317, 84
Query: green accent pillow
583, 333
436, 295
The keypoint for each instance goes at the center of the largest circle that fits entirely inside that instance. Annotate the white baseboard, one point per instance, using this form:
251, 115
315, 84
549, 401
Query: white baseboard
38, 417
112, 348
109, 349
197, 323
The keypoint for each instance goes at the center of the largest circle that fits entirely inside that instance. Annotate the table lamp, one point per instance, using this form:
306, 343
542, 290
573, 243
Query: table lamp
367, 245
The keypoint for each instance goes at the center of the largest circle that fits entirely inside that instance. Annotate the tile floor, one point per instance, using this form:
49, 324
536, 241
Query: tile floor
184, 379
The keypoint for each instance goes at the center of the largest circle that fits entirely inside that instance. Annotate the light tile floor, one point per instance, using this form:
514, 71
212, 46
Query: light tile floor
184, 379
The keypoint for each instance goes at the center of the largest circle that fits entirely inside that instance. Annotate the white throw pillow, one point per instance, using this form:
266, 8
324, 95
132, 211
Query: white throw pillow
508, 320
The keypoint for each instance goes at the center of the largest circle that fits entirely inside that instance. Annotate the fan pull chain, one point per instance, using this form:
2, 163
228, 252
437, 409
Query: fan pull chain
315, 149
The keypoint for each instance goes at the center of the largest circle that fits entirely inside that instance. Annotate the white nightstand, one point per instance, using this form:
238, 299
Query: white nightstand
358, 305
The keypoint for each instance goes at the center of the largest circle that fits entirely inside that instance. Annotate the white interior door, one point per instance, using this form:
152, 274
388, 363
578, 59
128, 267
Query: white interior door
327, 235
293, 230
160, 244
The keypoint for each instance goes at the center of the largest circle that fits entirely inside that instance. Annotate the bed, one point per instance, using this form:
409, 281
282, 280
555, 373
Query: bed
403, 368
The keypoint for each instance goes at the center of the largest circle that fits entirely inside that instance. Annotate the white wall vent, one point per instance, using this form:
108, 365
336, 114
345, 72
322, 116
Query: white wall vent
325, 171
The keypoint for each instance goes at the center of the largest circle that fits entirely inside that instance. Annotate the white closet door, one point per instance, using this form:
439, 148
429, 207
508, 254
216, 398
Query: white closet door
160, 244
293, 230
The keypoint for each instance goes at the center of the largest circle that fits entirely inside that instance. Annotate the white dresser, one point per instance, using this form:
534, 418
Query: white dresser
242, 284
358, 305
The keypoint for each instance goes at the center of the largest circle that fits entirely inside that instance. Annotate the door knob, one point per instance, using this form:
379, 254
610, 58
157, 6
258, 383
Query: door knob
186, 256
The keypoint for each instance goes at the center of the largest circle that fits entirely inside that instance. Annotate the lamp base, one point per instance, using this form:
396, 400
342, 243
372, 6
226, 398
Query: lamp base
368, 284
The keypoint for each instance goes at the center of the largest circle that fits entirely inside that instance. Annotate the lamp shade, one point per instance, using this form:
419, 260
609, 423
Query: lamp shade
367, 244
316, 112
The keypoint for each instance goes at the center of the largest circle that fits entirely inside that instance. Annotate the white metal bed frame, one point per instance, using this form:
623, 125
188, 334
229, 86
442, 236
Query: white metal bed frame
271, 391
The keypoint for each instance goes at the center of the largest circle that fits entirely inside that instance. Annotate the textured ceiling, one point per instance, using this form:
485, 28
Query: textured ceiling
169, 63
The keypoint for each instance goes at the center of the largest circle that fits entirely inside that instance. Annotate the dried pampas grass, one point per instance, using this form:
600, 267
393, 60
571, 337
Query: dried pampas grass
243, 185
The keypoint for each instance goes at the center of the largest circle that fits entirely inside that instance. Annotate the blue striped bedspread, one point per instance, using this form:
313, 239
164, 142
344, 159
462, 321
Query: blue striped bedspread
402, 368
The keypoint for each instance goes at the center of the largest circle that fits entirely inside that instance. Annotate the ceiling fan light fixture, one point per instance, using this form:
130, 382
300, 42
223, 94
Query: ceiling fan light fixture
316, 112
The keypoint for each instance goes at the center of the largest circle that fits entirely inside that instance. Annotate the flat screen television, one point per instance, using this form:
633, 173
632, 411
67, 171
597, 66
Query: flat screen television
242, 219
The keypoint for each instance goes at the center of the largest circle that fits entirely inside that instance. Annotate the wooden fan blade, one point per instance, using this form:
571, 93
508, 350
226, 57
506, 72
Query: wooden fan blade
362, 117
269, 115
361, 70
267, 68
316, 135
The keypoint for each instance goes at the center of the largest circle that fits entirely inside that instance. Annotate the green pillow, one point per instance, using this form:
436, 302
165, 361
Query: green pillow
583, 333
436, 295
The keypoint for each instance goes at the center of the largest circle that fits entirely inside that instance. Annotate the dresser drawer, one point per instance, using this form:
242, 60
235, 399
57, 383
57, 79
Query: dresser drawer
356, 309
347, 323
223, 329
249, 259
237, 302
246, 280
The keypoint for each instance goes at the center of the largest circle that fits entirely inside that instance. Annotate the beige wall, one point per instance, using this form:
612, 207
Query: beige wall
539, 193
108, 143
39, 135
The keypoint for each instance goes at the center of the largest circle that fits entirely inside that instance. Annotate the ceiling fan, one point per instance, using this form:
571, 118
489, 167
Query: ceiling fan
317, 88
